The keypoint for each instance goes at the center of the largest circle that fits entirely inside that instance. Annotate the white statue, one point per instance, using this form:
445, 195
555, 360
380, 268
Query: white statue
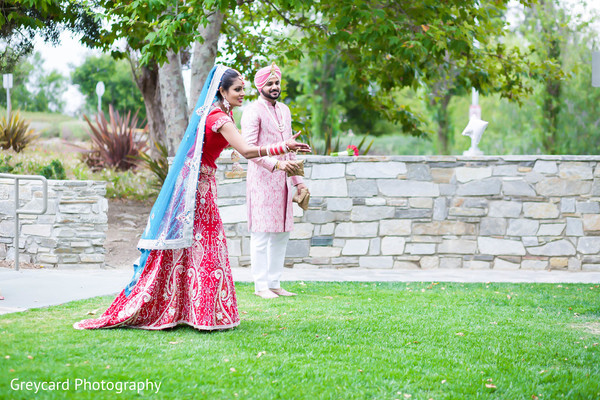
474, 130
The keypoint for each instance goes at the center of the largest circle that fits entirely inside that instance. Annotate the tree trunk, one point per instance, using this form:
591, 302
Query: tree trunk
174, 102
325, 93
553, 36
146, 79
551, 106
442, 118
204, 55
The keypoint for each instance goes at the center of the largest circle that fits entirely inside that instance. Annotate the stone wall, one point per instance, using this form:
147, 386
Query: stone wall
511, 212
70, 234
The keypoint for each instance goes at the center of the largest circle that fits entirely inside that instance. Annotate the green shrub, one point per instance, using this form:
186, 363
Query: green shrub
5, 166
132, 185
158, 166
55, 170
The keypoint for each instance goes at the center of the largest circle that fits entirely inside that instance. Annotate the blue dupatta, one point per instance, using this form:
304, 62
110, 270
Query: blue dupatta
170, 224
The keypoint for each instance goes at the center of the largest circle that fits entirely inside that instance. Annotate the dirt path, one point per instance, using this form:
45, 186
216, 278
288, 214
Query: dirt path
126, 221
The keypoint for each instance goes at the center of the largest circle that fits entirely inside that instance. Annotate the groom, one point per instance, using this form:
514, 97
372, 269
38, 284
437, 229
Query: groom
269, 191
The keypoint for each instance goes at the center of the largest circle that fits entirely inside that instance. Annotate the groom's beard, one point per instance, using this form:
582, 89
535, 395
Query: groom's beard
271, 94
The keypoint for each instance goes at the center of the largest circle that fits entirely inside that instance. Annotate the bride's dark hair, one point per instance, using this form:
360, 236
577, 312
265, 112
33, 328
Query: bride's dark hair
227, 80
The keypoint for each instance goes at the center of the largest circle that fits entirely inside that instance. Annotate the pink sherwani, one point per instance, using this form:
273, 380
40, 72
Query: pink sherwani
269, 193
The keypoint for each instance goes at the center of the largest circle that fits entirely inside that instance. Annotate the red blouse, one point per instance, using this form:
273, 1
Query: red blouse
214, 142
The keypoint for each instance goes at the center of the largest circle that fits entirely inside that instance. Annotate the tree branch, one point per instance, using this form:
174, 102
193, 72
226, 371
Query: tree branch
293, 23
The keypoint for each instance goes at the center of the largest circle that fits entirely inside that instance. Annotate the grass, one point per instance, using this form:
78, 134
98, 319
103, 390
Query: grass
49, 125
334, 341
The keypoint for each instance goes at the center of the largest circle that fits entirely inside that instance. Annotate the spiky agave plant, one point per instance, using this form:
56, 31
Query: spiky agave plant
115, 143
15, 133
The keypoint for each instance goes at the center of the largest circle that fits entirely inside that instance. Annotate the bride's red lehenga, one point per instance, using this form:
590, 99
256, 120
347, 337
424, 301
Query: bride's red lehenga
192, 286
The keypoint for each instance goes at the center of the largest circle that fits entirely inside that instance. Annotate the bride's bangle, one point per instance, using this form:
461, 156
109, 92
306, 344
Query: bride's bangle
278, 149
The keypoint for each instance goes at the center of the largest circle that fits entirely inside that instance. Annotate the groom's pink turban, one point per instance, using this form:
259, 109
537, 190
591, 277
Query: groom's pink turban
264, 74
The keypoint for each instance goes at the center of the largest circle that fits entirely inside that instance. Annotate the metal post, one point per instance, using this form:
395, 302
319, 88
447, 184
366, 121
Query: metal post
475, 108
7, 82
19, 211
8, 104
17, 233
100, 91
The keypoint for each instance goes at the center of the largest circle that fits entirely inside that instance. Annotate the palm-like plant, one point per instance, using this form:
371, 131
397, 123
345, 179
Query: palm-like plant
159, 166
114, 144
15, 133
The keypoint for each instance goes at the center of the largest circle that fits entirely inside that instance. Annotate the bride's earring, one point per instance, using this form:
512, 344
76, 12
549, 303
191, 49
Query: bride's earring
226, 104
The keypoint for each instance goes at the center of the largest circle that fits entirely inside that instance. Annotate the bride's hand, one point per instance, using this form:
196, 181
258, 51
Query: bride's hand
297, 146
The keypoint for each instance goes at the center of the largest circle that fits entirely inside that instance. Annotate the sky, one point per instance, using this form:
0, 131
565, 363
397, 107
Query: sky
70, 53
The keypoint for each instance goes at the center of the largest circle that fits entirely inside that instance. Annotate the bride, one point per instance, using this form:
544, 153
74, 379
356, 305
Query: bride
183, 274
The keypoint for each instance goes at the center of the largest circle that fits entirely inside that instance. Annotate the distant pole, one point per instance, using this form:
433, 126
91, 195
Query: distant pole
475, 109
596, 69
100, 92
7, 81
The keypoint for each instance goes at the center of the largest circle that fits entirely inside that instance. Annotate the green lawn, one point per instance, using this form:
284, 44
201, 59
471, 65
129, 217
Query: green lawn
49, 125
334, 341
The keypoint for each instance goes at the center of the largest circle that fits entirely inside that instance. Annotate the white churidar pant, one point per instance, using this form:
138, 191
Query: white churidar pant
267, 256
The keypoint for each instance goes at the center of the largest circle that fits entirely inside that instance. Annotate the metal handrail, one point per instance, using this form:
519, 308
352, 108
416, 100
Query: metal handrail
19, 211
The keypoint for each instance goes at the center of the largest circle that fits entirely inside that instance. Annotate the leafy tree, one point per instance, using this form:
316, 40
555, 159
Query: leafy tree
447, 47
579, 119
320, 91
21, 20
120, 88
19, 93
386, 45
546, 27
47, 88
48, 94
326, 105
35, 89
563, 37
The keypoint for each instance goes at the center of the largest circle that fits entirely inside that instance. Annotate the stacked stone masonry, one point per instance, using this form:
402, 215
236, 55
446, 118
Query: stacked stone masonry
411, 212
72, 232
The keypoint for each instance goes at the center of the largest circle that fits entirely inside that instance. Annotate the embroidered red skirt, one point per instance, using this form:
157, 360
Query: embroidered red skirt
192, 286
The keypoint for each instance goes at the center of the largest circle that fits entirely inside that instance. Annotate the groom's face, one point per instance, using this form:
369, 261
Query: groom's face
272, 89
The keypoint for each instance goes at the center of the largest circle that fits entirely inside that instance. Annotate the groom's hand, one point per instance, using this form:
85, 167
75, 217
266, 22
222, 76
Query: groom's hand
293, 145
290, 167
